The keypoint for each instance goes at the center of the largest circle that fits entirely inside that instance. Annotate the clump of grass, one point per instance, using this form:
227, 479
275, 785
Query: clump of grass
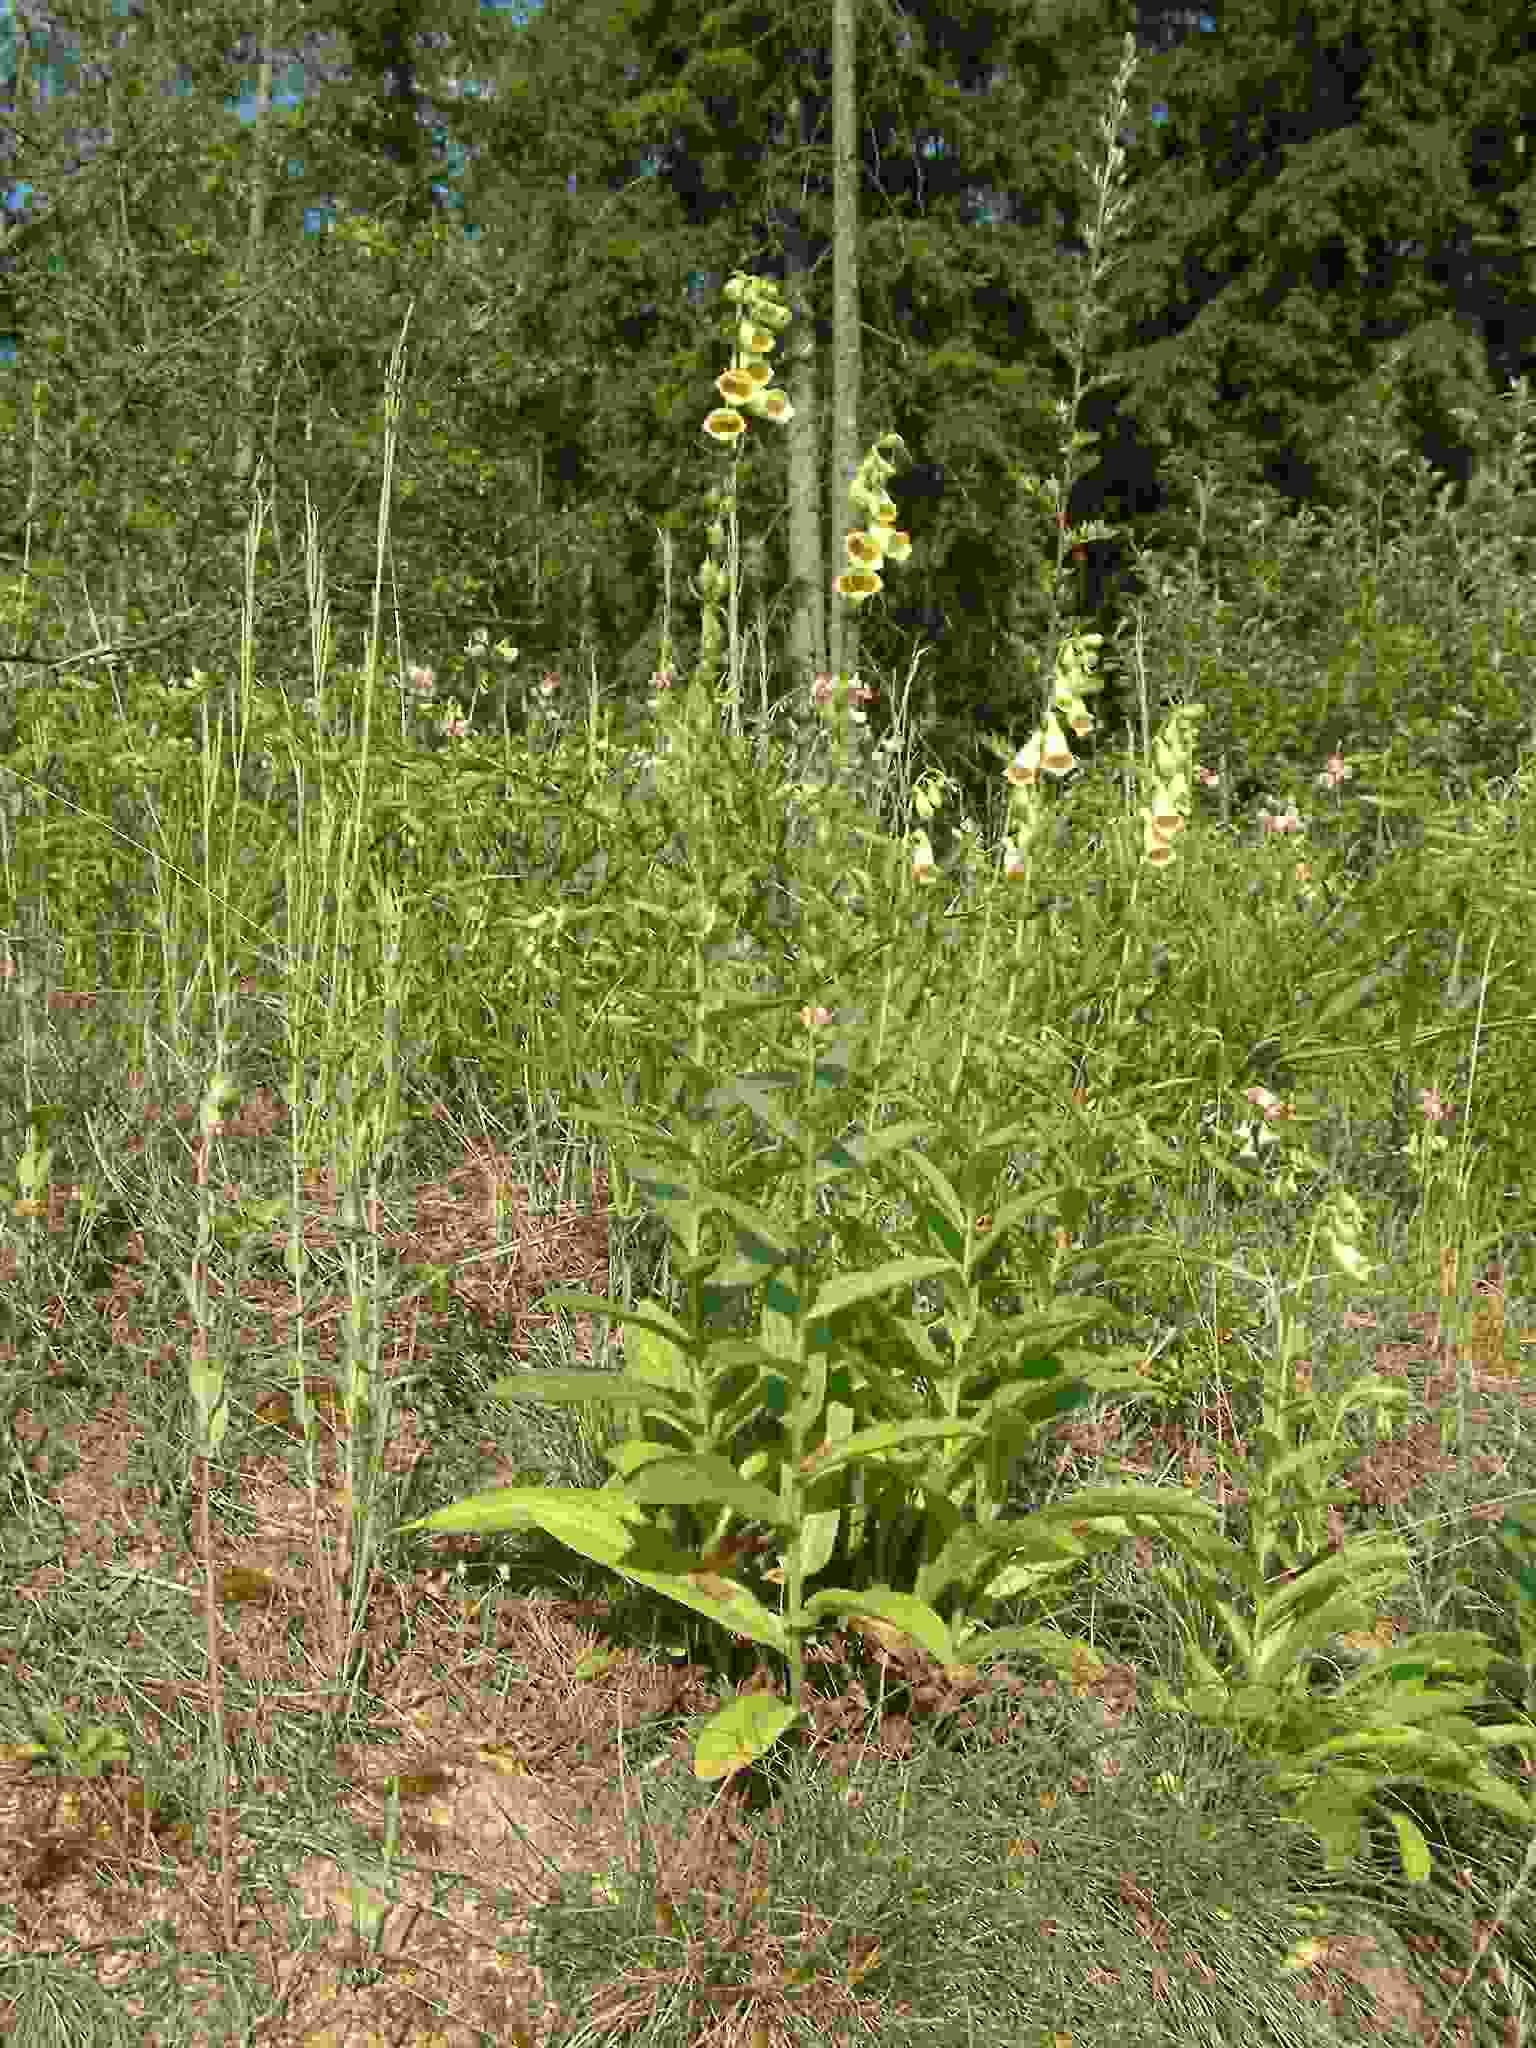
294, 1770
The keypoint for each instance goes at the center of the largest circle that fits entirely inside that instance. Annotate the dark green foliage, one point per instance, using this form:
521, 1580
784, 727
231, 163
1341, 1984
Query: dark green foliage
557, 368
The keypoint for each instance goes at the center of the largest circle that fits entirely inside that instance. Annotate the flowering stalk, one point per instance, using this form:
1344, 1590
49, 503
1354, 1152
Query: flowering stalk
747, 390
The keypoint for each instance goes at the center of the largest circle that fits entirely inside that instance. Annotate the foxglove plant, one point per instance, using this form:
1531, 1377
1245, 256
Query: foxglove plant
1402, 1719
890, 1436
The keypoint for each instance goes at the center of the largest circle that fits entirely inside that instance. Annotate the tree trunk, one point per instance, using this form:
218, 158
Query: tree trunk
845, 321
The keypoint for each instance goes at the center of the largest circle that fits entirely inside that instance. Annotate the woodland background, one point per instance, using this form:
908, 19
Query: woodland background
189, 300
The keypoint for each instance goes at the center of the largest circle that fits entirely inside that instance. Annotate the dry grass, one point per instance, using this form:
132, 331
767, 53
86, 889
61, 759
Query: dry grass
516, 1722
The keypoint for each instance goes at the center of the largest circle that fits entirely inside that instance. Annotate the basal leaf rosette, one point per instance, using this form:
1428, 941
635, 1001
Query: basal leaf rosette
1298, 1583
829, 1374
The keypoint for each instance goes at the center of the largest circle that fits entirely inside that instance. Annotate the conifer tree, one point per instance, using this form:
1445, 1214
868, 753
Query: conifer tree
555, 365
